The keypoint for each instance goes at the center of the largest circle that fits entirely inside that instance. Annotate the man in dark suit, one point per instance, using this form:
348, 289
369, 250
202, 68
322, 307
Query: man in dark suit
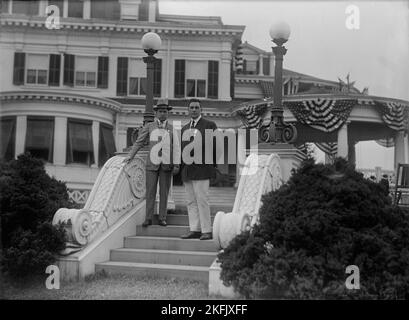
163, 159
196, 175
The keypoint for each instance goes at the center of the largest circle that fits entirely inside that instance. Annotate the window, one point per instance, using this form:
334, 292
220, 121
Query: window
75, 8
85, 71
137, 77
79, 144
7, 138
40, 137
105, 9
250, 67
106, 143
29, 8
37, 69
196, 74
4, 6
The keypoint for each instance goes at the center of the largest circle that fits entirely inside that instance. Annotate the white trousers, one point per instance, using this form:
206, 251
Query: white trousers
198, 209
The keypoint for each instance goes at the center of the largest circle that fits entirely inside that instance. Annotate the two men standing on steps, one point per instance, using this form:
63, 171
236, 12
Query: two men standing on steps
160, 165
195, 174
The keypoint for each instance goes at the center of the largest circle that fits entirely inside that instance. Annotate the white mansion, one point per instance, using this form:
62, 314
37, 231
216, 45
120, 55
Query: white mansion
73, 96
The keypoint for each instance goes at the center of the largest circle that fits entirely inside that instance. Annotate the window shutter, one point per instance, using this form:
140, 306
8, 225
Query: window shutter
213, 80
103, 65
54, 70
157, 77
19, 65
122, 77
69, 67
180, 68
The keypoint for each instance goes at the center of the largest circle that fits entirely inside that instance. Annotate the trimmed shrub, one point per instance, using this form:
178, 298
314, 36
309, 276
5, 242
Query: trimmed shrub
323, 219
29, 199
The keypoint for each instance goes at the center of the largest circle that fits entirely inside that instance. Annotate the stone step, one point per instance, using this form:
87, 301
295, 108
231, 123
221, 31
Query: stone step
182, 209
180, 219
173, 257
170, 243
160, 231
158, 270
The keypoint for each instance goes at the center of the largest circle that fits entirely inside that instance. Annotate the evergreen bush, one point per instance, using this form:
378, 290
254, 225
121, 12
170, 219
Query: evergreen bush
323, 219
29, 198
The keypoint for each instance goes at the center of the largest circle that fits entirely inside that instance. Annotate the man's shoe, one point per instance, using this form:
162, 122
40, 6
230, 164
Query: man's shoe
147, 223
206, 236
191, 235
162, 223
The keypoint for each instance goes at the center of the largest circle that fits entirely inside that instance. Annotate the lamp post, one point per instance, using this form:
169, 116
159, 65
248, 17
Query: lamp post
278, 131
151, 43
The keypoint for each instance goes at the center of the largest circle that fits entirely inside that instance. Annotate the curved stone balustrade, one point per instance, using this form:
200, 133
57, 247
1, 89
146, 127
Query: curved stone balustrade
261, 174
117, 189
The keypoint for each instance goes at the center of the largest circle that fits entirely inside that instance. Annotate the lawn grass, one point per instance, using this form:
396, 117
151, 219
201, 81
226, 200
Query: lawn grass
112, 287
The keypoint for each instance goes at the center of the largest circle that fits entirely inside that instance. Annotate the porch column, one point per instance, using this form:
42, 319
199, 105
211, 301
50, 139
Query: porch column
95, 142
351, 153
271, 57
21, 130
260, 64
399, 148
343, 141
240, 154
87, 9
60, 140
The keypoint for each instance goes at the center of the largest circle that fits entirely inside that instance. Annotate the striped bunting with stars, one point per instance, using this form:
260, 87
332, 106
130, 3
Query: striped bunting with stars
323, 114
252, 115
329, 148
395, 115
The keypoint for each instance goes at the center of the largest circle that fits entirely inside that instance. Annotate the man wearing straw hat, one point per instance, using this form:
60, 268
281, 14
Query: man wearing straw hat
160, 164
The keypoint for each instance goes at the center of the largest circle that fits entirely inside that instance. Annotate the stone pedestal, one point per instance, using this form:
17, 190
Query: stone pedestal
290, 156
171, 202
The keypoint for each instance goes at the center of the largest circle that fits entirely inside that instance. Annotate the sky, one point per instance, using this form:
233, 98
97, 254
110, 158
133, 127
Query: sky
376, 55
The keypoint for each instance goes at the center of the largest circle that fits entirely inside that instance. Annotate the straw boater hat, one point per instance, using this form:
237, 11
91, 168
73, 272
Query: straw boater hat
162, 103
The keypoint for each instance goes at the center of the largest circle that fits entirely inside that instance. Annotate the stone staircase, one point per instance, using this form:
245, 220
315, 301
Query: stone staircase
159, 251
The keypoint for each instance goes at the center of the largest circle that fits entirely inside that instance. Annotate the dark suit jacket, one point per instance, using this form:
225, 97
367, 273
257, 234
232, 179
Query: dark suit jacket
198, 171
144, 138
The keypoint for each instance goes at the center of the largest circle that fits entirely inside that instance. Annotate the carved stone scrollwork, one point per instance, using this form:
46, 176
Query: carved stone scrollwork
289, 134
260, 175
118, 188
